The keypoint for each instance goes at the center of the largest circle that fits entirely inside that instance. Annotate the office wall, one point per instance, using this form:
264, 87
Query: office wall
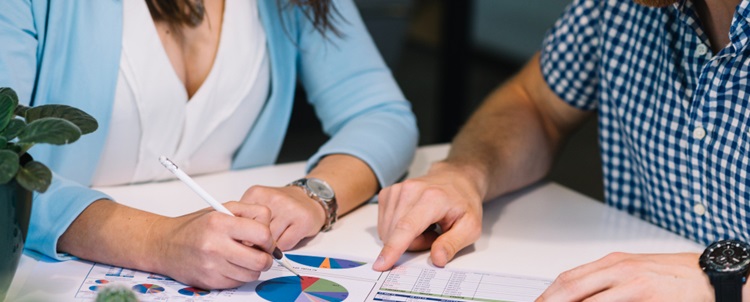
512, 29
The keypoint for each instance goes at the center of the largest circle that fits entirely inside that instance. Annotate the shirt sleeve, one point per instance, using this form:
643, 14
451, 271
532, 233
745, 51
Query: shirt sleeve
355, 96
18, 53
54, 211
570, 55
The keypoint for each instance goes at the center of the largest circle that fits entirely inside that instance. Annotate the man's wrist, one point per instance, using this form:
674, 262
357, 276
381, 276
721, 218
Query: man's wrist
476, 176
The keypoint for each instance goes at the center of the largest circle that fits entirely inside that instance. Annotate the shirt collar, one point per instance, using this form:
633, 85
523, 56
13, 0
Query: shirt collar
744, 9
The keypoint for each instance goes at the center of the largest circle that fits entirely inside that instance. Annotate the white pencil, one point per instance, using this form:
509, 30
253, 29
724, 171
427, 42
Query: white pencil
277, 255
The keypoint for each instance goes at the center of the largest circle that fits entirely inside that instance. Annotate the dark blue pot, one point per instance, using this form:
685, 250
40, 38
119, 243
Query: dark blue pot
15, 209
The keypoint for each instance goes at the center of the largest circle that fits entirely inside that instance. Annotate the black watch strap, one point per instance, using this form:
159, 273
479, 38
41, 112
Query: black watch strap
728, 289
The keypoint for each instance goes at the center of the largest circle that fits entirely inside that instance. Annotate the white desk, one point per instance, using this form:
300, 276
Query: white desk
539, 232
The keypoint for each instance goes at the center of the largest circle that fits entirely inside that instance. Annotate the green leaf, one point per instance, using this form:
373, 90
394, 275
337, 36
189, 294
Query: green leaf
14, 128
21, 110
49, 130
8, 102
83, 120
8, 165
12, 147
34, 176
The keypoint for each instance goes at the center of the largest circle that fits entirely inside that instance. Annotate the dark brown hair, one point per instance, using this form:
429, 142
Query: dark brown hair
191, 12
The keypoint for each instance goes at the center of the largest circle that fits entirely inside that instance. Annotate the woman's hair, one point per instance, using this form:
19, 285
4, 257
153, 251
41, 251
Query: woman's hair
191, 12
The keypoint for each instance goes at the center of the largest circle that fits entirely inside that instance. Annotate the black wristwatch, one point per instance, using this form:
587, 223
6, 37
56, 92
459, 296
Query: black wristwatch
727, 263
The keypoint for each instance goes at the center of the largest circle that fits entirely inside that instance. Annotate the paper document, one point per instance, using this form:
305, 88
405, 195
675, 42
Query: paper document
325, 278
404, 283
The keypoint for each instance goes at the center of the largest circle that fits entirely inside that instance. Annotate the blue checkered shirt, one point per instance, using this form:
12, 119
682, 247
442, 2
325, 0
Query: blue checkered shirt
674, 118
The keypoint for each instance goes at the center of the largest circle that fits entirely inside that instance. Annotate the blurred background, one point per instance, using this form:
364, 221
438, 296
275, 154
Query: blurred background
447, 56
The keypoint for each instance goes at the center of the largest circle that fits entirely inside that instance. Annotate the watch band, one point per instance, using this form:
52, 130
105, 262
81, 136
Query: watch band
330, 206
726, 263
727, 289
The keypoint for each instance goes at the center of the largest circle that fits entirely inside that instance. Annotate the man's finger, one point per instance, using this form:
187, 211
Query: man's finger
570, 286
406, 230
424, 241
386, 207
462, 234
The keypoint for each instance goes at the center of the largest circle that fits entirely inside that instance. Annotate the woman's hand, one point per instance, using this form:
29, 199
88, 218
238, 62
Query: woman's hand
294, 215
212, 250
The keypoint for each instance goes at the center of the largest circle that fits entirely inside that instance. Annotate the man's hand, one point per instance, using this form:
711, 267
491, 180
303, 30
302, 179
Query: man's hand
294, 215
633, 277
210, 249
446, 196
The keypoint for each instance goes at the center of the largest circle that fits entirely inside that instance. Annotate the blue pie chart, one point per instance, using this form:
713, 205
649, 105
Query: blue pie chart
307, 289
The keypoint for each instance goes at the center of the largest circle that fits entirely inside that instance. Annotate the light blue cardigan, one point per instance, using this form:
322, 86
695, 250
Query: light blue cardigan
68, 52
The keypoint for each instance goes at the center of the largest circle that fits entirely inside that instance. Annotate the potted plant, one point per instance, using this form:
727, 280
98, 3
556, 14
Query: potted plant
21, 128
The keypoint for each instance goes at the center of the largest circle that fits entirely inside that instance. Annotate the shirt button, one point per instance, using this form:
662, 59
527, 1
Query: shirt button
699, 209
701, 49
699, 133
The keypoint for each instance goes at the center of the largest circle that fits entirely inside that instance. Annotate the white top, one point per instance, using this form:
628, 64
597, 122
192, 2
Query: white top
153, 116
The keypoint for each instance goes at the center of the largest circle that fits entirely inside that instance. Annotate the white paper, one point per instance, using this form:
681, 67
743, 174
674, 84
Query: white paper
326, 278
405, 283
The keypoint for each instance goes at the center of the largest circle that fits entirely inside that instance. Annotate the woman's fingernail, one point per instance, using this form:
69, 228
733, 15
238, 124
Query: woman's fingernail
277, 253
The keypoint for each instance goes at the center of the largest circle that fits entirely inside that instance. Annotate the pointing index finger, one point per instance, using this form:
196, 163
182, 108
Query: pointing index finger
408, 228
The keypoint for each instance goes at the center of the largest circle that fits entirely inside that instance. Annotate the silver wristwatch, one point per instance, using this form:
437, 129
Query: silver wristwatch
320, 191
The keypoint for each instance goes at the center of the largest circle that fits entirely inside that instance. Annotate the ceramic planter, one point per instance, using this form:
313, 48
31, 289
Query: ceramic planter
15, 209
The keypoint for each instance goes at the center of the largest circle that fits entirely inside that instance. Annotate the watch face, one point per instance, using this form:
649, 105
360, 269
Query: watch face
726, 256
320, 188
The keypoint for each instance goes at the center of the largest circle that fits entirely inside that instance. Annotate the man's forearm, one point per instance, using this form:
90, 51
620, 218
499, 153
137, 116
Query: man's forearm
512, 139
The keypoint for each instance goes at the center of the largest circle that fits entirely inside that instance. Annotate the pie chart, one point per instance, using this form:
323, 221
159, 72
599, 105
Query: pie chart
324, 262
146, 288
193, 291
308, 289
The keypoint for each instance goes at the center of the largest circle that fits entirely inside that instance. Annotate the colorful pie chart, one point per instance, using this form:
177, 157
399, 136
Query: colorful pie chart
324, 262
308, 289
147, 288
193, 292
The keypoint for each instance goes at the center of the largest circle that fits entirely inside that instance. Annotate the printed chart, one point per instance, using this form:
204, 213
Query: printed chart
429, 284
277, 284
307, 289
333, 267
325, 262
193, 292
148, 286
325, 278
